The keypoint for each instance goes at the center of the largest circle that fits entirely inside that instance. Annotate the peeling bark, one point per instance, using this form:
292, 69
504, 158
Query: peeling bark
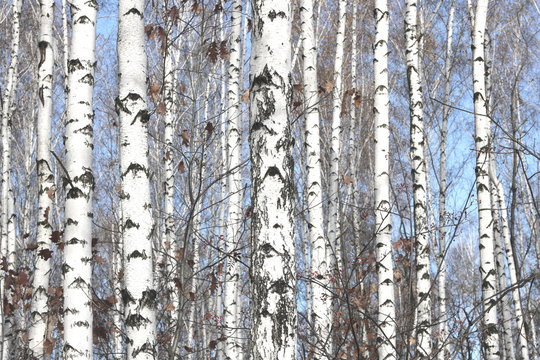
46, 186
273, 272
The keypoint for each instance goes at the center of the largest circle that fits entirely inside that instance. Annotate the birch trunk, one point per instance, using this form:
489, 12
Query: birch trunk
490, 340
508, 344
273, 333
11, 319
220, 349
386, 340
40, 284
7, 100
321, 304
231, 308
169, 238
139, 295
333, 206
77, 268
444, 353
117, 269
500, 205
416, 104
7, 215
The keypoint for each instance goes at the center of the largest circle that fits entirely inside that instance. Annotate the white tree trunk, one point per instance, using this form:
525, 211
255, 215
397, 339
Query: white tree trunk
139, 295
117, 269
273, 333
386, 340
490, 340
220, 291
169, 238
333, 200
500, 205
416, 104
231, 308
321, 253
508, 344
444, 353
40, 285
77, 268
7, 215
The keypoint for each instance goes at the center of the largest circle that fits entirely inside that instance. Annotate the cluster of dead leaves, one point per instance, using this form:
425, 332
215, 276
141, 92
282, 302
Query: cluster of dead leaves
217, 50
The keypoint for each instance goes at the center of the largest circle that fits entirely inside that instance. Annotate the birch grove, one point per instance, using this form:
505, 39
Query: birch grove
269, 179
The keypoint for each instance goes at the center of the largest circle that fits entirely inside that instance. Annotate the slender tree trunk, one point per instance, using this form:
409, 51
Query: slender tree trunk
139, 295
7, 215
419, 175
508, 344
231, 308
386, 340
490, 338
169, 238
321, 304
444, 353
333, 206
11, 318
220, 349
77, 268
273, 270
117, 270
500, 205
46, 188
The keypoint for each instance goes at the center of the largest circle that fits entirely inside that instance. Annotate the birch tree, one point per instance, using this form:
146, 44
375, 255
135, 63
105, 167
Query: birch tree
7, 215
416, 104
79, 179
335, 152
499, 205
231, 305
139, 295
490, 341
46, 186
386, 338
441, 283
321, 255
273, 272
169, 101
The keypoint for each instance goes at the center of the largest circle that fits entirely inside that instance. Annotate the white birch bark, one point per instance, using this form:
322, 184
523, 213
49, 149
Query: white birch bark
117, 269
508, 345
169, 238
321, 304
220, 349
273, 333
11, 319
500, 205
139, 295
490, 338
441, 283
7, 100
231, 308
416, 104
40, 284
77, 268
333, 203
7, 215
386, 340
